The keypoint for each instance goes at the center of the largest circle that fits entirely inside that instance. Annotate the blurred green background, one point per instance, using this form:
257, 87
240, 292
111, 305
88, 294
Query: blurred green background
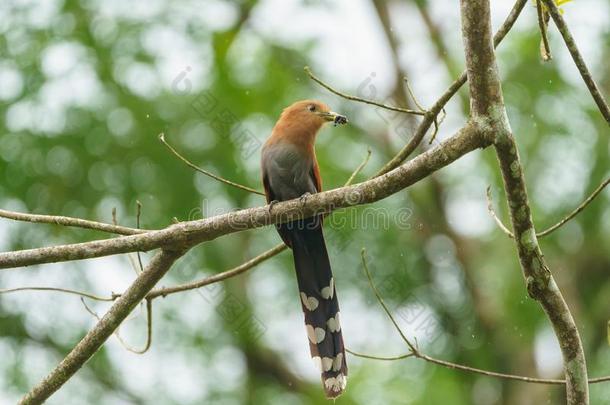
85, 89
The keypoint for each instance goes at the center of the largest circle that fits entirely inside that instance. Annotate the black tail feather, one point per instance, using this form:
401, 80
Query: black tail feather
319, 302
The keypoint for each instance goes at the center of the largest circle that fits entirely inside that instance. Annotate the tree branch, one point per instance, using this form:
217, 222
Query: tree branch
430, 116
487, 105
178, 238
481, 68
96, 337
193, 232
163, 292
242, 268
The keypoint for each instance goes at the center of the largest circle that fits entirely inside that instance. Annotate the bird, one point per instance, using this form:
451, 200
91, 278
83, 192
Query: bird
289, 171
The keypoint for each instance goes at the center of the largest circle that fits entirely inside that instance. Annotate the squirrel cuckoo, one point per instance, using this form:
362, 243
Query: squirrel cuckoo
290, 170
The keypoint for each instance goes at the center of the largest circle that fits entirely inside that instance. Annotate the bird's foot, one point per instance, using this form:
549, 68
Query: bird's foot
271, 204
303, 198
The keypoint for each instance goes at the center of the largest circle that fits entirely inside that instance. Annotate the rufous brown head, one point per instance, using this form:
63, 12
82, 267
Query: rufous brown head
310, 115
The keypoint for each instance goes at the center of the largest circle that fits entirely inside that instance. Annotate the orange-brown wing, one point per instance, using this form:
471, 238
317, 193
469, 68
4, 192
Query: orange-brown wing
315, 173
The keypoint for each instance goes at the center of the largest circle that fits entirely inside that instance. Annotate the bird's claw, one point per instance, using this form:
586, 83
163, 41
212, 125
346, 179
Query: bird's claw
303, 198
271, 204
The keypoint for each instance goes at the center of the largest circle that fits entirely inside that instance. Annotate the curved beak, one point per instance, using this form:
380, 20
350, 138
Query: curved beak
334, 117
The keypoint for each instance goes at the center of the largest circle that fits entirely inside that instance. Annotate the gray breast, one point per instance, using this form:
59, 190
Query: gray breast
288, 171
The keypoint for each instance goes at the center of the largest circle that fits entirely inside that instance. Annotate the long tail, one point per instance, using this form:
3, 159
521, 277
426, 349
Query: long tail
319, 302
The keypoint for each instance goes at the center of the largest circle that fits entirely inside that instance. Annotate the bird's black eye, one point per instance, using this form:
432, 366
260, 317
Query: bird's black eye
311, 108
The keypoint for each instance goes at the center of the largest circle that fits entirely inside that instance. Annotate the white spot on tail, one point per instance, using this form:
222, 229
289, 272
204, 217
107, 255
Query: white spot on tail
315, 335
311, 303
336, 384
328, 292
317, 361
333, 323
327, 363
338, 362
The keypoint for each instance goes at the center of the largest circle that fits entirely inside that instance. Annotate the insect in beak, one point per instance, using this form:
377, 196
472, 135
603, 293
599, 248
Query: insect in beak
335, 118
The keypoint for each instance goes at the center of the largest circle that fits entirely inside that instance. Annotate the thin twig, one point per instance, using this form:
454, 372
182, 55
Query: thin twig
415, 352
71, 222
577, 210
488, 373
559, 224
492, 212
58, 289
360, 99
545, 48
134, 263
578, 59
117, 332
455, 366
448, 364
429, 118
381, 301
359, 168
134, 266
369, 356
436, 122
164, 292
148, 331
437, 37
138, 213
412, 95
207, 173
